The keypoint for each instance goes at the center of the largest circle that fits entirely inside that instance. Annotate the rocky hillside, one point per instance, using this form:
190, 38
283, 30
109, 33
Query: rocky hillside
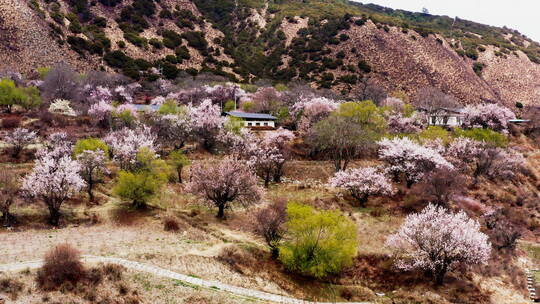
331, 44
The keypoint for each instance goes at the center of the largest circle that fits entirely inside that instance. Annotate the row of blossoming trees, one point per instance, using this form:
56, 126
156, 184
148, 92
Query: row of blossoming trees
140, 146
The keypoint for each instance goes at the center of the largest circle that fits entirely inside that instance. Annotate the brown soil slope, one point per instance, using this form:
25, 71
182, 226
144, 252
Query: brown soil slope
25, 42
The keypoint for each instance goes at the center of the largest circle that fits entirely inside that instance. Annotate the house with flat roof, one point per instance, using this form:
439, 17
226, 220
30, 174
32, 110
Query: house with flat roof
255, 120
444, 117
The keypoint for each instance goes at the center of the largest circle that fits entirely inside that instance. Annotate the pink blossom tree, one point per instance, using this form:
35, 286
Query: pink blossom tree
126, 143
410, 159
397, 123
484, 160
19, 139
436, 241
281, 139
488, 115
56, 145
362, 183
266, 100
207, 122
54, 180
92, 166
101, 112
224, 183
311, 110
265, 159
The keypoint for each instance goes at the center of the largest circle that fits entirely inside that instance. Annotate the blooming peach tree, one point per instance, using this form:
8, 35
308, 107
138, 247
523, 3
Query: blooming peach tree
207, 122
54, 180
224, 183
362, 183
437, 240
311, 110
19, 139
409, 158
92, 166
126, 143
488, 115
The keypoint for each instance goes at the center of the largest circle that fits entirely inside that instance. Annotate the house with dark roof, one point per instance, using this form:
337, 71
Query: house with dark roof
255, 120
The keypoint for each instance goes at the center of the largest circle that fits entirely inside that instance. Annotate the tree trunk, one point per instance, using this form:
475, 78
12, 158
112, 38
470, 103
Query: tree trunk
89, 189
221, 211
139, 204
275, 252
54, 216
179, 170
439, 275
362, 200
6, 219
266, 179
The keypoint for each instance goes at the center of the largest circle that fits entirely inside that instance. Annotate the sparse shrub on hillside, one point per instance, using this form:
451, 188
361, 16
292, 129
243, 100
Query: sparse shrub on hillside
487, 115
270, 224
170, 223
440, 186
62, 264
20, 138
318, 243
9, 189
503, 234
362, 183
224, 183
54, 179
410, 159
448, 240
196, 40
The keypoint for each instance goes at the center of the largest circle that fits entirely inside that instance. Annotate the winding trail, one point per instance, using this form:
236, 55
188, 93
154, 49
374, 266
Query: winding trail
250, 293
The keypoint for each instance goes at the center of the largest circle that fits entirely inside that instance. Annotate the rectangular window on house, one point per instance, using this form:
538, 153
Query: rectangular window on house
249, 124
258, 124
265, 124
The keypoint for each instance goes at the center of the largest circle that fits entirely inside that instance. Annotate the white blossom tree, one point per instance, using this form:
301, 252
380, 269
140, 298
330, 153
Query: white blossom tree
488, 115
53, 180
19, 139
362, 183
410, 159
124, 145
436, 241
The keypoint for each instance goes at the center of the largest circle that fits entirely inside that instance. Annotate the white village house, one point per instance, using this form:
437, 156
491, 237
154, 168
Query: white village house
255, 120
445, 117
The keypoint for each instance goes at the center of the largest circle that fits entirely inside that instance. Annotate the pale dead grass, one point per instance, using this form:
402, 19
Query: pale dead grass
148, 288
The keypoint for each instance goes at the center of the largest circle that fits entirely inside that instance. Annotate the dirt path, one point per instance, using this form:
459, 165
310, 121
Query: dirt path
250, 293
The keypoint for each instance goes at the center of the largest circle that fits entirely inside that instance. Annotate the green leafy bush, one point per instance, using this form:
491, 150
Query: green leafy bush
318, 243
90, 144
486, 135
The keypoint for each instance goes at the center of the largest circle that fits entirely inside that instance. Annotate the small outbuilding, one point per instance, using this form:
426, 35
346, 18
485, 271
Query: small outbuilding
258, 121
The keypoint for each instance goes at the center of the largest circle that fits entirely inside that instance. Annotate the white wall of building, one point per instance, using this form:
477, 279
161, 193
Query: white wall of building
260, 123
